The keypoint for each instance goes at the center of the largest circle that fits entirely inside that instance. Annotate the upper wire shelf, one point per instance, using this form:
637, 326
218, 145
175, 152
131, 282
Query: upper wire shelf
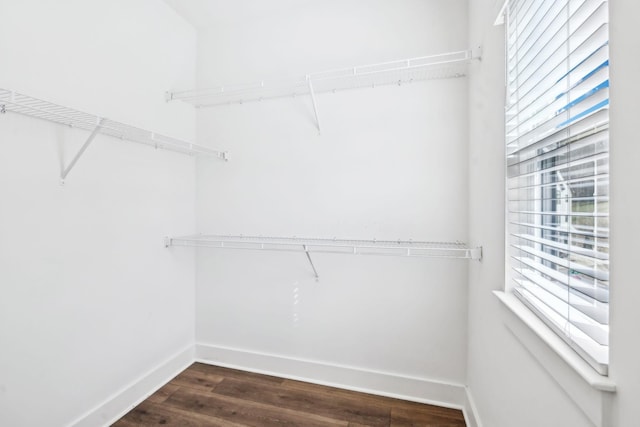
408, 248
34, 107
447, 65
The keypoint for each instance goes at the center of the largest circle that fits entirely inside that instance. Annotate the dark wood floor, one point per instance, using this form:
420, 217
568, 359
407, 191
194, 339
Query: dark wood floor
205, 395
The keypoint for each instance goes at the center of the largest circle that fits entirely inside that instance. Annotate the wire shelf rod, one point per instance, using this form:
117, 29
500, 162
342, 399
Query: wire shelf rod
300, 83
446, 65
407, 248
408, 67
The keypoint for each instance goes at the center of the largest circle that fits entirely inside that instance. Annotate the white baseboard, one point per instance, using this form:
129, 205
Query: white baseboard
121, 402
470, 410
423, 390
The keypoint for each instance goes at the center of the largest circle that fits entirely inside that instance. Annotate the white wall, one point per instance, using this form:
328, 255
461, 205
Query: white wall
514, 378
91, 301
625, 233
295, 37
391, 163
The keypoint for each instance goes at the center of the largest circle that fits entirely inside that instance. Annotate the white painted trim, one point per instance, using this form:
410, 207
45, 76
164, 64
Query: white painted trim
122, 401
582, 368
434, 392
470, 411
591, 392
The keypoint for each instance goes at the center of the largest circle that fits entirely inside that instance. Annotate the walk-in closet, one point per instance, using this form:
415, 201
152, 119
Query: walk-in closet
318, 213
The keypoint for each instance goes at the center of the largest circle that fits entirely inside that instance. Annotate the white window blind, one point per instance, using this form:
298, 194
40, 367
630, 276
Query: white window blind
557, 136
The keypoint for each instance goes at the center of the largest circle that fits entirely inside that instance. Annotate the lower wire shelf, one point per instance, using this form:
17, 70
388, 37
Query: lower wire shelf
408, 248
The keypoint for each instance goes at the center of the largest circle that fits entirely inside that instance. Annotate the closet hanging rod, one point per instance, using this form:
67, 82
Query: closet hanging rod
408, 248
446, 65
11, 101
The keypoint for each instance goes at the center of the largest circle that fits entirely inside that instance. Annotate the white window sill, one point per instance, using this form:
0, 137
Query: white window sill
564, 351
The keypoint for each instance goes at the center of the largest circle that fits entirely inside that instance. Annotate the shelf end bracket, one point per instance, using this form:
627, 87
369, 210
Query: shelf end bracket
476, 253
476, 53
81, 151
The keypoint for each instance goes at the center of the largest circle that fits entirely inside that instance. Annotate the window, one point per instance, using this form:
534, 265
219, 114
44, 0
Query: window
557, 149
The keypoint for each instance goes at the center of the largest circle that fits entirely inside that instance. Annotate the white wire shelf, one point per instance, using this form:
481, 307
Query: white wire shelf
448, 65
22, 104
408, 248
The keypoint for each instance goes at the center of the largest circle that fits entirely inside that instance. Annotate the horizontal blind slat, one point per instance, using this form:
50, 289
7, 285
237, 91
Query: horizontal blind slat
568, 163
592, 120
596, 140
553, 101
563, 246
596, 354
602, 234
596, 290
554, 71
597, 332
514, 183
591, 311
565, 263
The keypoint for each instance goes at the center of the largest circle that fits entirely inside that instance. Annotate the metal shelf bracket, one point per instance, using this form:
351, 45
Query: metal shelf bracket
315, 272
72, 163
313, 101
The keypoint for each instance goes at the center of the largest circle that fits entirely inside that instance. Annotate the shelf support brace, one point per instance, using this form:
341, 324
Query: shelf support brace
81, 151
313, 101
306, 251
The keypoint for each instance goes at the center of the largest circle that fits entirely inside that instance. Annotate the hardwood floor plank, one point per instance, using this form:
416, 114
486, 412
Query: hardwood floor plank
304, 401
402, 417
418, 408
203, 419
244, 413
195, 379
374, 399
235, 373
151, 414
162, 394
286, 411
340, 393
